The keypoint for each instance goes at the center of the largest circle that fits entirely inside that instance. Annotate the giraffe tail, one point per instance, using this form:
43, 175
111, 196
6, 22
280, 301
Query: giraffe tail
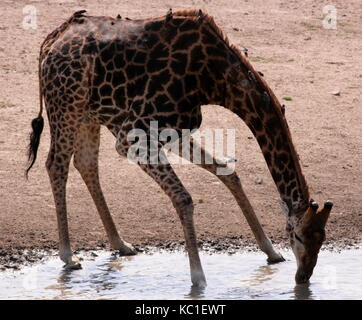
37, 125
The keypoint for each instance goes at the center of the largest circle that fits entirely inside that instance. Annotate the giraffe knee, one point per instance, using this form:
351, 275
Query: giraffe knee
185, 206
57, 165
80, 164
81, 167
186, 201
87, 167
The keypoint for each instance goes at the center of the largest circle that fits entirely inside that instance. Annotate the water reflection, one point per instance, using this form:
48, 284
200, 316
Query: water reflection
65, 277
64, 285
262, 274
196, 292
303, 292
166, 276
104, 278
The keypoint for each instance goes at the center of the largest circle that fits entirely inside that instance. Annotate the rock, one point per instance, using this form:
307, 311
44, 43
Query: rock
259, 181
14, 258
336, 93
228, 160
14, 267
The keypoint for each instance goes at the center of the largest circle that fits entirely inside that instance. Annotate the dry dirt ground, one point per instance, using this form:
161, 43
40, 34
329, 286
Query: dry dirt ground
299, 58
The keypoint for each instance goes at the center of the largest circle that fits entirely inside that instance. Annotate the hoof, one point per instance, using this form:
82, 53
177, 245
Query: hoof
74, 264
198, 279
277, 259
127, 249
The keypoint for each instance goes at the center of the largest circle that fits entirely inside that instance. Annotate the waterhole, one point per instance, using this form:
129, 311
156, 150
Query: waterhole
165, 275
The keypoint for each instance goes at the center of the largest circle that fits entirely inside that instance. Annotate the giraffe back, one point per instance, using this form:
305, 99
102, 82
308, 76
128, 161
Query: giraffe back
114, 69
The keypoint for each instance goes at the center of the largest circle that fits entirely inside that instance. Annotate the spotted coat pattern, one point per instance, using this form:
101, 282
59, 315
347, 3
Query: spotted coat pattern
122, 74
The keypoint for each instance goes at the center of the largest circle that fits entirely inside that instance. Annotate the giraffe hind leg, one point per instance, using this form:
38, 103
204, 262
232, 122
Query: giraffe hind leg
86, 162
66, 105
57, 165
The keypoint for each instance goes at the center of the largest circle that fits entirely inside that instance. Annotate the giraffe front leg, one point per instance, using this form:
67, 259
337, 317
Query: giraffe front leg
182, 201
232, 182
167, 179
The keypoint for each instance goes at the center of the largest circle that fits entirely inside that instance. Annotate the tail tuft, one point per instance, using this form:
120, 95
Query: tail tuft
37, 125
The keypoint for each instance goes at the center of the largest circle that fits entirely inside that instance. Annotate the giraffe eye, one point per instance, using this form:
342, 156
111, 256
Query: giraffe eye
244, 83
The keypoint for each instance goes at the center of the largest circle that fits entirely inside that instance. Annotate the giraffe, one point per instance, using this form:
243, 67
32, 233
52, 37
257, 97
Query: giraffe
122, 74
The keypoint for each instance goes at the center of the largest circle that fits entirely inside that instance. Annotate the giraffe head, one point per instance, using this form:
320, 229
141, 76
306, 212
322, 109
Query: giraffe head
306, 234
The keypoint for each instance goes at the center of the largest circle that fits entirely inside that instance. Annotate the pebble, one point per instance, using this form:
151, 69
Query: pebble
336, 93
259, 181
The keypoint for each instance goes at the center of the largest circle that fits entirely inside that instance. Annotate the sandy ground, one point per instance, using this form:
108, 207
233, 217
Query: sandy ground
299, 59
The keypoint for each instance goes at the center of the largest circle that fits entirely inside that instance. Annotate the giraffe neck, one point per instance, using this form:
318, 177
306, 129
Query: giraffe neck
244, 92
253, 101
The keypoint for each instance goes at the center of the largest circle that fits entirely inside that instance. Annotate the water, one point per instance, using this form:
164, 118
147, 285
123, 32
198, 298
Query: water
165, 275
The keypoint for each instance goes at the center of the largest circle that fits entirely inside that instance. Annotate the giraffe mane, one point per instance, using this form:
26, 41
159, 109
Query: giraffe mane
211, 22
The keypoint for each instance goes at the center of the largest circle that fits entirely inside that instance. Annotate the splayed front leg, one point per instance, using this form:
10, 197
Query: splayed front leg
164, 175
232, 182
182, 201
185, 211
